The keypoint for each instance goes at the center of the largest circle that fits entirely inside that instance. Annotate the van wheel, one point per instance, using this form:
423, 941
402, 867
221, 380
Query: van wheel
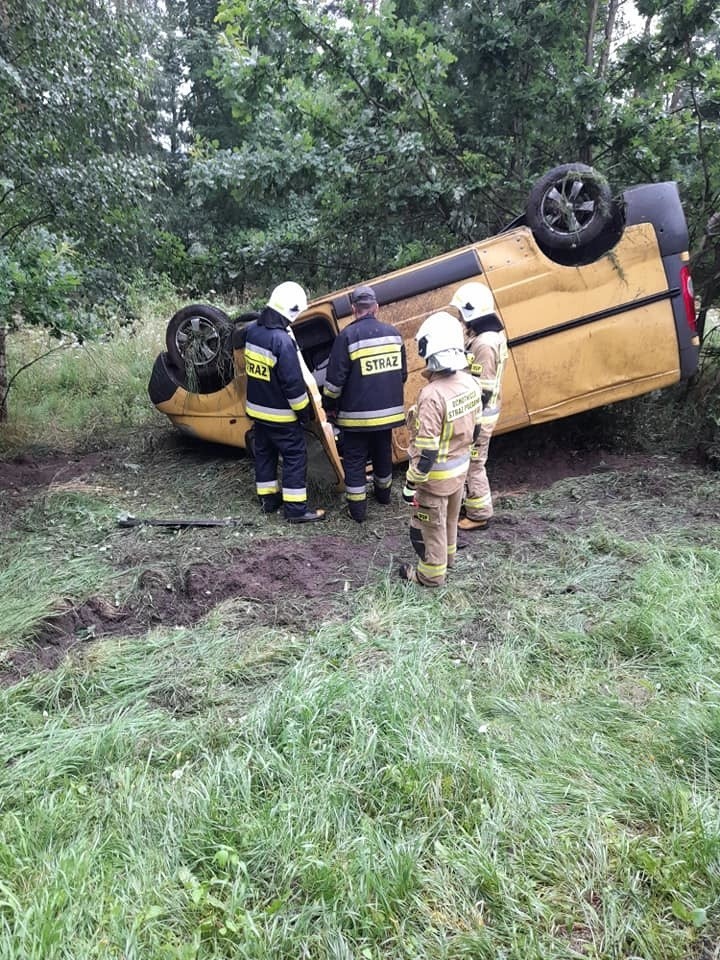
570, 207
198, 342
240, 328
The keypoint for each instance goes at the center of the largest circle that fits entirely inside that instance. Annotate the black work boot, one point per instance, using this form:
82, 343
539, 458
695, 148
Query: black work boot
310, 516
357, 511
382, 495
270, 502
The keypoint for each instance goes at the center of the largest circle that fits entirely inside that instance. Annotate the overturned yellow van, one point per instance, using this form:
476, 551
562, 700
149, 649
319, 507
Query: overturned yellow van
594, 292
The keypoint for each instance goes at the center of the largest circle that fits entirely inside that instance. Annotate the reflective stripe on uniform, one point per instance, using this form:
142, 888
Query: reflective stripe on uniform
489, 422
355, 494
260, 354
382, 482
365, 348
478, 503
452, 549
266, 486
371, 418
270, 414
330, 390
445, 438
427, 443
386, 351
450, 468
299, 403
296, 495
432, 569
499, 373
490, 413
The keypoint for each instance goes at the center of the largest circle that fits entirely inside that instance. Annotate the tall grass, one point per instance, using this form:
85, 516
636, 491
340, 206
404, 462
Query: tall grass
377, 788
523, 765
86, 394
83, 392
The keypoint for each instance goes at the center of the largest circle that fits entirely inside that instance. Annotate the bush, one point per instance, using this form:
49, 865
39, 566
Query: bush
39, 279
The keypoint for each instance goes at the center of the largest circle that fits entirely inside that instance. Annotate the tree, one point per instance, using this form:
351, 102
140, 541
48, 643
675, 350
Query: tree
665, 87
367, 135
75, 151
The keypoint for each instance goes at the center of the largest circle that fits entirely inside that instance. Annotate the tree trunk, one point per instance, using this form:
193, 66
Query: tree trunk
607, 43
584, 150
590, 36
3, 372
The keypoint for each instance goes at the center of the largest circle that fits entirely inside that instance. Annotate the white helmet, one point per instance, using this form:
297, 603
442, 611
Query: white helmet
289, 299
441, 343
473, 300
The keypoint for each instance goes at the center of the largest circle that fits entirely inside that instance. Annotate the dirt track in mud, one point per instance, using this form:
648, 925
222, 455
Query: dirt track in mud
309, 577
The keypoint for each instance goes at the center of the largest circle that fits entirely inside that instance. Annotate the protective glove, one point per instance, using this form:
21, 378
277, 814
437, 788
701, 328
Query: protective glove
330, 406
305, 415
408, 493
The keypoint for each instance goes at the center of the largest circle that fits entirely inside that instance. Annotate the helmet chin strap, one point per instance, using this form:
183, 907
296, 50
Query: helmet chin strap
447, 361
489, 321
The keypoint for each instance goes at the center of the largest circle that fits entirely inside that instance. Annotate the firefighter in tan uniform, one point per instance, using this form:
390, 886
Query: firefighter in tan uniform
487, 349
446, 422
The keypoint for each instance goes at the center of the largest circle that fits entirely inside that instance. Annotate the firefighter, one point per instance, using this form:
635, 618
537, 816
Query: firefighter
487, 346
363, 396
279, 404
446, 423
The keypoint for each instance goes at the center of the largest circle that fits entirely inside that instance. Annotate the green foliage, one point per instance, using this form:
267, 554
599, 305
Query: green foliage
39, 280
390, 128
76, 153
225, 143
171, 259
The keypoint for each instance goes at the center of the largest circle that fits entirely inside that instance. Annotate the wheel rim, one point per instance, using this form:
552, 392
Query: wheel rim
569, 205
198, 341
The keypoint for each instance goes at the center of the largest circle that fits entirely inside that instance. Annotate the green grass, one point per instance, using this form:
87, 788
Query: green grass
371, 789
83, 390
523, 765
77, 395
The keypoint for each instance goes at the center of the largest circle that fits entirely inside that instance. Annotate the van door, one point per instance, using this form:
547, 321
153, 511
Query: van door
581, 336
314, 334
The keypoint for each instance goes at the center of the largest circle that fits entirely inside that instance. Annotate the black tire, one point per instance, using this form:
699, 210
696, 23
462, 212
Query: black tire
198, 342
570, 208
240, 326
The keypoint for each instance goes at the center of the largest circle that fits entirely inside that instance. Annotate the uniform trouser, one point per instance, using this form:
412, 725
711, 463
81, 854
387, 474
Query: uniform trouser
433, 534
478, 498
271, 443
359, 446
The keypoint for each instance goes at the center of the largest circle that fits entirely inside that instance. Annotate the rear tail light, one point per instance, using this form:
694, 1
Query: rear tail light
688, 295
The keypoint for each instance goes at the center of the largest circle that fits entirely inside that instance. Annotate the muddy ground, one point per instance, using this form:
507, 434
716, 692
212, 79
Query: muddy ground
544, 487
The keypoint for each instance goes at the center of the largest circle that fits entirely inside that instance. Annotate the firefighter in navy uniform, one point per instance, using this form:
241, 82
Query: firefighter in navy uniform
279, 404
443, 426
487, 348
363, 395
